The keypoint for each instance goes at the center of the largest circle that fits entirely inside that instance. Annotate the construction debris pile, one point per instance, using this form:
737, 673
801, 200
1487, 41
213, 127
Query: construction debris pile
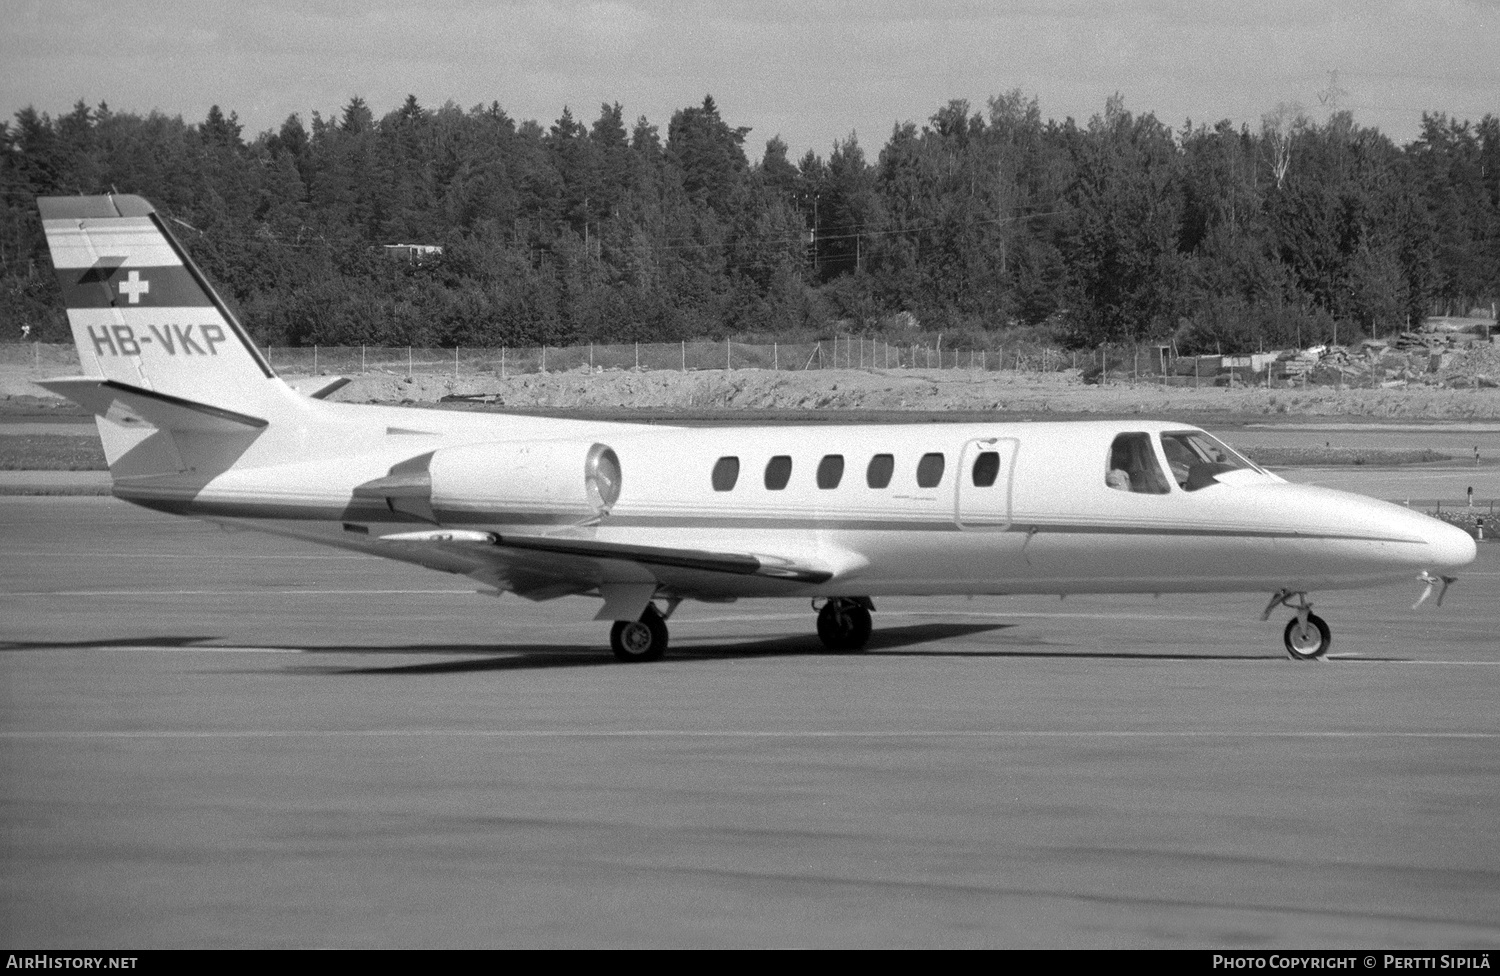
1435, 356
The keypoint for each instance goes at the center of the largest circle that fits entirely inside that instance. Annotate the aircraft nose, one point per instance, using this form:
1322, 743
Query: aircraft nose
1448, 547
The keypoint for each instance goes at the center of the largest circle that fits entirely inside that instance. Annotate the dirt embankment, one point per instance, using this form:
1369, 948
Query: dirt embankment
879, 390
915, 390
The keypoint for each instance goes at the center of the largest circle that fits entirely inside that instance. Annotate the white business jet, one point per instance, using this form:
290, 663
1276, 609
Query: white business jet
195, 422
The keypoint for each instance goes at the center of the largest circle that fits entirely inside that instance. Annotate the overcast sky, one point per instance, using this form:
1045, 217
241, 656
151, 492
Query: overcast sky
809, 71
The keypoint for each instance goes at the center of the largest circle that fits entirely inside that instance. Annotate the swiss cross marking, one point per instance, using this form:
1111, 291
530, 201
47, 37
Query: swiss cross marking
135, 287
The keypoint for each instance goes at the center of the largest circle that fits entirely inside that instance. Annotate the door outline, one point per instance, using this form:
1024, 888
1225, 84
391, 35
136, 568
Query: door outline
971, 518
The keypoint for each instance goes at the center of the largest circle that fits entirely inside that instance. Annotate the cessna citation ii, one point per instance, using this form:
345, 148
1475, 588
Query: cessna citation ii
195, 422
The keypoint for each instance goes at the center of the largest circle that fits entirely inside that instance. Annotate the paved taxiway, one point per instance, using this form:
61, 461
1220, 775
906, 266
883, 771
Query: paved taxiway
215, 739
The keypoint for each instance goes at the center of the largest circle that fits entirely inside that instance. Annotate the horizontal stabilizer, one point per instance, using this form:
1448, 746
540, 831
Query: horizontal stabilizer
316, 387
157, 409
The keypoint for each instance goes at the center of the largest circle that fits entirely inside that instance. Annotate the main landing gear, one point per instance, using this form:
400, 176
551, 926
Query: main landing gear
641, 640
1307, 636
843, 625
844, 622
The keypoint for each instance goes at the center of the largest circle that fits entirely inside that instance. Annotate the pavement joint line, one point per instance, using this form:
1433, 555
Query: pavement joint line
212, 557
244, 592
500, 652
731, 734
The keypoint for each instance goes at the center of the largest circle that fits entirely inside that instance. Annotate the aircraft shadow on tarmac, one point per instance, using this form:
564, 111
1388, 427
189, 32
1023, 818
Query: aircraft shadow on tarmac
904, 641
528, 656
201, 640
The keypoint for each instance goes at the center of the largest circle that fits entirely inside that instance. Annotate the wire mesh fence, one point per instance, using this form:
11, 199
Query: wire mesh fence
1115, 365
838, 353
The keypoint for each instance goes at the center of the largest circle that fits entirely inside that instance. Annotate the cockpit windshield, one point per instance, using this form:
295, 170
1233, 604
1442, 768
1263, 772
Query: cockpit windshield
1196, 458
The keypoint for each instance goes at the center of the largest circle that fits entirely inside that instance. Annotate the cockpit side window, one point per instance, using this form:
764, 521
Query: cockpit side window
1196, 459
1133, 466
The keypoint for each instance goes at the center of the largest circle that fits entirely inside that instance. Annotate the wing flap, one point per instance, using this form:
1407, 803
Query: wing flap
741, 564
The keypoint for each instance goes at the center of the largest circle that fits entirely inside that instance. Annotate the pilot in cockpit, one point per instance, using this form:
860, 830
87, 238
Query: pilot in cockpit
1133, 466
1179, 459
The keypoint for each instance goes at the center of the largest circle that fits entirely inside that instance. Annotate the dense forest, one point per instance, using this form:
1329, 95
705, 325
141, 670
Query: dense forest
977, 223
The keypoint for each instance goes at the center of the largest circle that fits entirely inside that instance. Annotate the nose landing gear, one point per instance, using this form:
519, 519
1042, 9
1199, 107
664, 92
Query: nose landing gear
1307, 636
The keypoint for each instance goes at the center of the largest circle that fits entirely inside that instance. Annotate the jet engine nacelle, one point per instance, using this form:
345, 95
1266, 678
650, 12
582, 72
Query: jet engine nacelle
572, 480
576, 479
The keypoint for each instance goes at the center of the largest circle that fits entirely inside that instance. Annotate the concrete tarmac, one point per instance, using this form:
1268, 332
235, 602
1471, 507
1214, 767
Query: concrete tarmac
216, 739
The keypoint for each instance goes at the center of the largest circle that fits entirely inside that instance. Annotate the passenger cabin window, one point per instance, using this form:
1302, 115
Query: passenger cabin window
1196, 459
831, 471
1133, 466
986, 469
726, 473
929, 470
778, 472
878, 474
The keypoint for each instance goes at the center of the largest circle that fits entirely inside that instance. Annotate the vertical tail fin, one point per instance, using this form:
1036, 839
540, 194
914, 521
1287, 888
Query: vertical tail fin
143, 315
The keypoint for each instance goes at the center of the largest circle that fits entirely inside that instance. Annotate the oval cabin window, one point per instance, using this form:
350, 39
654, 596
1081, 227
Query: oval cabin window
726, 473
778, 472
831, 471
986, 469
930, 470
878, 474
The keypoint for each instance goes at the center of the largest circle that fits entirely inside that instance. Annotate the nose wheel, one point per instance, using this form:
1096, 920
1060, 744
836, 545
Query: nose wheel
1307, 640
1307, 636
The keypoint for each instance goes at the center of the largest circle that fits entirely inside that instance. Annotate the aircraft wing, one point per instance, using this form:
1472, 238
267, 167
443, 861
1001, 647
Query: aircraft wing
743, 564
541, 567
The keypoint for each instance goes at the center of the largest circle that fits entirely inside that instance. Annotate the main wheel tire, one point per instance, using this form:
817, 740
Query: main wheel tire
640, 640
844, 625
1307, 643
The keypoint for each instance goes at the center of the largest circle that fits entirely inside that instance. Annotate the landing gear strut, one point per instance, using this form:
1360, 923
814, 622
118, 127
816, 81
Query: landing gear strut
640, 640
1307, 636
844, 623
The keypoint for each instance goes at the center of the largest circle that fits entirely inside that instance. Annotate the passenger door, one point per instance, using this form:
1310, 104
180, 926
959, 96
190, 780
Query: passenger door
982, 485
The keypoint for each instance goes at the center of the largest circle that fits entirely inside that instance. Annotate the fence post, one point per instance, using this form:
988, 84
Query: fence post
775, 358
544, 358
728, 362
684, 355
502, 364
315, 359
362, 368
455, 362
408, 362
